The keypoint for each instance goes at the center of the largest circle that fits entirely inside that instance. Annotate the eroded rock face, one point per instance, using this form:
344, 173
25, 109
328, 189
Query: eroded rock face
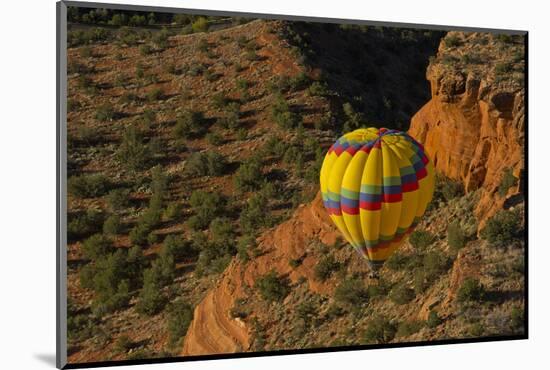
213, 329
473, 126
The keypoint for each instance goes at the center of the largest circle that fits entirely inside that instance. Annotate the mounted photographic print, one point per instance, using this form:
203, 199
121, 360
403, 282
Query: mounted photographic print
236, 185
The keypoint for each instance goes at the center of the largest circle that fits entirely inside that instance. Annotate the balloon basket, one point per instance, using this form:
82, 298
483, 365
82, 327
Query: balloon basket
373, 275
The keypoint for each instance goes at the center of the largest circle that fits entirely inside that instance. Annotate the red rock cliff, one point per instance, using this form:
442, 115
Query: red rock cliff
213, 330
473, 126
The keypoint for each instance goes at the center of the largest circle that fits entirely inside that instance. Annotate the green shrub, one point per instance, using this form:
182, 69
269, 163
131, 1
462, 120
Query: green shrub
206, 206
88, 186
211, 76
112, 225
476, 330
351, 292
219, 100
111, 278
179, 248
255, 215
281, 114
508, 180
291, 155
140, 73
299, 82
503, 68
223, 233
132, 153
154, 95
246, 244
507, 39
105, 112
325, 267
318, 89
151, 299
449, 189
230, 118
452, 41
173, 211
434, 264
397, 261
164, 267
242, 84
379, 330
84, 224
205, 164
138, 234
180, 315
159, 180
203, 45
354, 120
81, 326
503, 229
214, 139
517, 318
307, 311
401, 294
123, 344
211, 260
196, 69
242, 134
137, 20
251, 55
456, 237
160, 39
200, 25
406, 328
171, 69
272, 287
377, 290
127, 98
275, 146
420, 281
294, 262
189, 124
249, 176
112, 301
420, 239
86, 83
145, 49
73, 105
433, 319
152, 215
97, 246
471, 290
152, 238
88, 135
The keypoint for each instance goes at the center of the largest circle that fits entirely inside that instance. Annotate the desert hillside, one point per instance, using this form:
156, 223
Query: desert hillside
189, 147
460, 275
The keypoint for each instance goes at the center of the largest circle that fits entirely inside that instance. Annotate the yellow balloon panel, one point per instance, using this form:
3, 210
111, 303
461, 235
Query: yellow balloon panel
376, 184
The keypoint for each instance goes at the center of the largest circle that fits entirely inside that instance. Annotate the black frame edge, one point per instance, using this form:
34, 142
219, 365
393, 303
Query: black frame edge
61, 343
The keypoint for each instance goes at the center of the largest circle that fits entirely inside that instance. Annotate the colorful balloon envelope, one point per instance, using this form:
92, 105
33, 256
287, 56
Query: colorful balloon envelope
376, 185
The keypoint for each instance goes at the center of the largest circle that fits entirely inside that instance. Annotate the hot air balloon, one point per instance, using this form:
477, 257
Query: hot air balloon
376, 185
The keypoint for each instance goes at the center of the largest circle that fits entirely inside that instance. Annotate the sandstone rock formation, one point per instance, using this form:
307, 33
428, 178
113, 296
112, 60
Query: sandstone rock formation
213, 330
473, 126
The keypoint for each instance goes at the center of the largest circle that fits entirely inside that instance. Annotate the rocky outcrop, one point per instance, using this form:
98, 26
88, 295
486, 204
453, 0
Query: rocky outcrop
473, 126
213, 329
